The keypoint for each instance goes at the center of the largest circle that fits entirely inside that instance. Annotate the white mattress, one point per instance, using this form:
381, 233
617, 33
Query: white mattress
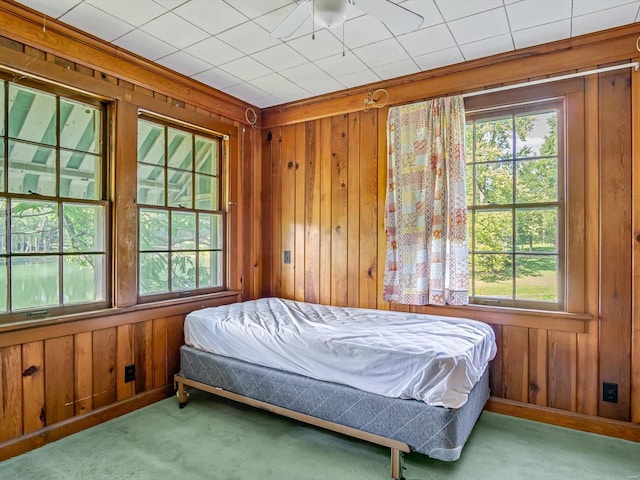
431, 358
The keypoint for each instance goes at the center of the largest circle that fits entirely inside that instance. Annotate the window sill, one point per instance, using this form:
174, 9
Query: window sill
517, 317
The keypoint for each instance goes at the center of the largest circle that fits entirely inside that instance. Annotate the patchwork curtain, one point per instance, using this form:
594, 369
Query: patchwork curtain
426, 206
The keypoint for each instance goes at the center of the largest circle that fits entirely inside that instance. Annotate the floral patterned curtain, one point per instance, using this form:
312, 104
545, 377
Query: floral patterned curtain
426, 206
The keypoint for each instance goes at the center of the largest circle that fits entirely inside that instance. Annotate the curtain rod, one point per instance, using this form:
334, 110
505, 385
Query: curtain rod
635, 65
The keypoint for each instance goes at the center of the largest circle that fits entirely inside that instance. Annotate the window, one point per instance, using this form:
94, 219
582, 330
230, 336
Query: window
53, 212
516, 206
181, 223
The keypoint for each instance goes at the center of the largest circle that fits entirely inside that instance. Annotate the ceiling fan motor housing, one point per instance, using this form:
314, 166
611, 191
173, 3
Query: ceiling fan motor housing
330, 13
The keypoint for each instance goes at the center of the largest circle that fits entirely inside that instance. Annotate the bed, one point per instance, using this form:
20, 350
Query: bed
405, 381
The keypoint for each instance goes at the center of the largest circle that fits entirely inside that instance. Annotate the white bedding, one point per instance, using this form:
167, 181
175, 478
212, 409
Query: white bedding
431, 358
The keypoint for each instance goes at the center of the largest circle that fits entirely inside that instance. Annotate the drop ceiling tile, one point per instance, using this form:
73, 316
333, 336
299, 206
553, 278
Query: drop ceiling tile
452, 9
320, 87
448, 56
426, 9
248, 37
217, 78
136, 13
254, 9
336, 65
362, 31
323, 46
427, 40
487, 47
214, 51
212, 16
382, 53
531, 13
582, 7
144, 44
170, 4
357, 79
480, 26
542, 34
279, 57
88, 18
174, 30
396, 69
184, 63
246, 68
612, 17
245, 91
267, 101
279, 86
271, 20
304, 74
49, 8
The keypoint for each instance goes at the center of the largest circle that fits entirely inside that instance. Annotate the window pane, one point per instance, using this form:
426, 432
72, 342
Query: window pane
537, 135
80, 175
179, 149
154, 273
4, 291
210, 231
80, 126
206, 156
210, 273
83, 228
183, 231
183, 271
206, 192
493, 231
494, 140
83, 277
537, 277
150, 143
537, 230
494, 183
493, 276
468, 141
3, 226
537, 180
32, 169
32, 115
154, 230
180, 188
34, 291
34, 227
150, 185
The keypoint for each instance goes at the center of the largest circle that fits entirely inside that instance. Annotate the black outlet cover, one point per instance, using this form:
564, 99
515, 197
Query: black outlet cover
129, 373
610, 392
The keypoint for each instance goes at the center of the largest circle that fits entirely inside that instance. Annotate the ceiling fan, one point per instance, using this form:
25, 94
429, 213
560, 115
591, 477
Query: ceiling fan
332, 13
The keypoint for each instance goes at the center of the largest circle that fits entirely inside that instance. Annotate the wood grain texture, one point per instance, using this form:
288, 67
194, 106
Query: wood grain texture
59, 379
124, 357
562, 372
175, 339
83, 378
32, 387
159, 352
325, 167
537, 367
300, 209
104, 367
312, 213
10, 392
515, 363
338, 207
635, 338
143, 356
353, 211
287, 211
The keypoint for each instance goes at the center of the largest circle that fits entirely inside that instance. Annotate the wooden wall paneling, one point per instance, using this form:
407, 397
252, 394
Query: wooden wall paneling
256, 215
268, 214
496, 381
382, 151
59, 379
562, 374
635, 338
245, 198
515, 362
615, 234
159, 352
175, 339
537, 367
143, 355
234, 207
276, 218
287, 215
325, 163
300, 209
588, 352
104, 367
124, 357
353, 211
368, 183
10, 392
32, 386
312, 213
83, 372
339, 209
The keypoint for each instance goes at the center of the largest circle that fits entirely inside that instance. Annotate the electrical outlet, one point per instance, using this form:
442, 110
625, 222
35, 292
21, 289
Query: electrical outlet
610, 392
129, 373
287, 256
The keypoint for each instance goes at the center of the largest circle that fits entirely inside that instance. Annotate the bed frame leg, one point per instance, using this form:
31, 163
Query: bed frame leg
397, 464
182, 393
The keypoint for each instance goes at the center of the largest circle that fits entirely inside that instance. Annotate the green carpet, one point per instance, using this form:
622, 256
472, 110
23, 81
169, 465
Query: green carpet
215, 439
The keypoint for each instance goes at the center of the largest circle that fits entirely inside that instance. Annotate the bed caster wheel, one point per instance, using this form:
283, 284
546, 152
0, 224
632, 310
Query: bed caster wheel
182, 405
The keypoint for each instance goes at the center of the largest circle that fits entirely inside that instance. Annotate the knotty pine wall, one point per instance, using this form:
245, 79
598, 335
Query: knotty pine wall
324, 174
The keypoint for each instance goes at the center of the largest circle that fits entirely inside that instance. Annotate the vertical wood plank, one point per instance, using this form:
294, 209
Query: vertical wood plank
339, 200
159, 352
257, 215
58, 379
268, 213
83, 372
104, 367
325, 211
32, 386
300, 208
562, 370
369, 192
175, 339
235, 234
143, 355
496, 381
287, 215
538, 366
312, 213
353, 211
382, 195
615, 247
276, 194
635, 327
515, 361
10, 392
124, 357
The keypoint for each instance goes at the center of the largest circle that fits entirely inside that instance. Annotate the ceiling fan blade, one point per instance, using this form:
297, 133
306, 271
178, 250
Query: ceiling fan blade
396, 17
293, 21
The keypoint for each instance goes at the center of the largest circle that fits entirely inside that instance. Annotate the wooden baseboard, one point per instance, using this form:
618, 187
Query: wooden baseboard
577, 421
26, 443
